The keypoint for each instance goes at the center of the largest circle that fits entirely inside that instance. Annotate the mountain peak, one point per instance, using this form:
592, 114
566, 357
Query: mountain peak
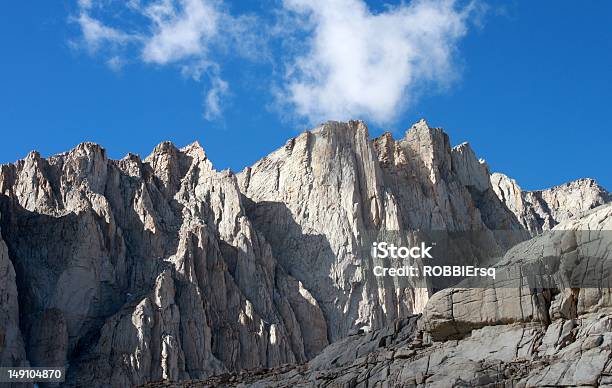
165, 147
88, 149
421, 124
195, 150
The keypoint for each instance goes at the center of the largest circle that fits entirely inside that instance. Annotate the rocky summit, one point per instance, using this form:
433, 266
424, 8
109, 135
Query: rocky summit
165, 272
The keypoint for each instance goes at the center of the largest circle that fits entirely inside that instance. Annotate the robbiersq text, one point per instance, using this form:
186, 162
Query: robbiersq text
383, 250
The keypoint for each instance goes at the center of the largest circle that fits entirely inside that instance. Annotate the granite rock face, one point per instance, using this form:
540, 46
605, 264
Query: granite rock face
12, 350
330, 187
131, 271
541, 210
468, 337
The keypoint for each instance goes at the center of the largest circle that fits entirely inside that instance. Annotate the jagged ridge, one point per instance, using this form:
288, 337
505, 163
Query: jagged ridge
139, 270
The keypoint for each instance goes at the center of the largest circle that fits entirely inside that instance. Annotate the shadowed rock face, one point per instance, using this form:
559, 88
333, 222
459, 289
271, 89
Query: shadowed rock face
130, 271
11, 342
493, 337
335, 186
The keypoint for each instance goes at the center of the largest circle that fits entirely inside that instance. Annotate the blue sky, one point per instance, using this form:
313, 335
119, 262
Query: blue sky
528, 84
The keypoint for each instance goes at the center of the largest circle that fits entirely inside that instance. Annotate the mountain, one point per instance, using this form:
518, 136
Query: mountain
131, 271
466, 337
541, 210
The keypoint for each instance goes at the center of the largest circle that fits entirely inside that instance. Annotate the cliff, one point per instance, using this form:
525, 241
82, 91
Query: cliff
131, 271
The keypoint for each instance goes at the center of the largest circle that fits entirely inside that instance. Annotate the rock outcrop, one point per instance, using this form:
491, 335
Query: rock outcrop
327, 189
492, 337
12, 350
131, 271
541, 210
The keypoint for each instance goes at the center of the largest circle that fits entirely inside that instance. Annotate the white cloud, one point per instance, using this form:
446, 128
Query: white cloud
342, 59
85, 4
180, 32
360, 64
212, 103
95, 34
177, 32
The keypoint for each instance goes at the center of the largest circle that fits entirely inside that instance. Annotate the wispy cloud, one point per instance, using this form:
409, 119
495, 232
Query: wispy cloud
96, 34
212, 103
180, 32
361, 64
341, 60
175, 32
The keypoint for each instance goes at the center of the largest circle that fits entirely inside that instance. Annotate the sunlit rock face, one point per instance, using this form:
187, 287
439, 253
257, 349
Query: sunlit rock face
317, 197
542, 210
130, 271
498, 337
